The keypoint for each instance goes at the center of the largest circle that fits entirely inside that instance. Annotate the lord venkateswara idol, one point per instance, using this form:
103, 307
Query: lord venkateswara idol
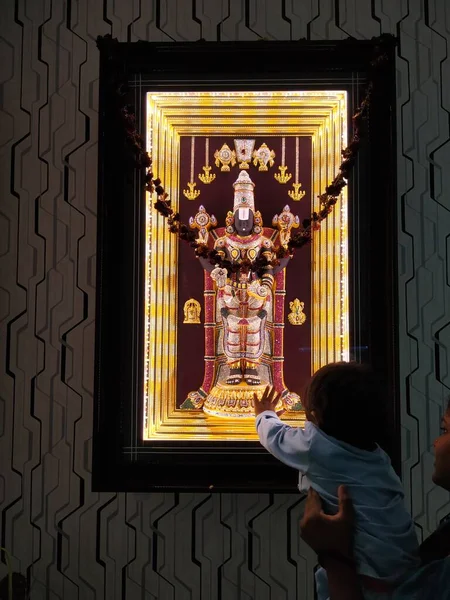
244, 309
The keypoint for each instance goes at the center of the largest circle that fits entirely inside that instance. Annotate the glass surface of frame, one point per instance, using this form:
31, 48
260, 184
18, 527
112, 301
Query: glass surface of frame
176, 362
308, 130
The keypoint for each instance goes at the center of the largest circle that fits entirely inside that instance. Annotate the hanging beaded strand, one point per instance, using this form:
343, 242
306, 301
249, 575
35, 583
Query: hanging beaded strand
296, 194
282, 176
207, 177
192, 193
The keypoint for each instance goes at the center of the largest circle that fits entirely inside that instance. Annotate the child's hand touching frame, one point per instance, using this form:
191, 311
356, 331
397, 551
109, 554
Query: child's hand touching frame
269, 400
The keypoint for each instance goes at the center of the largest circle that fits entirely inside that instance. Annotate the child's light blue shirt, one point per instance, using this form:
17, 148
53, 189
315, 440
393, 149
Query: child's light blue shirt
385, 543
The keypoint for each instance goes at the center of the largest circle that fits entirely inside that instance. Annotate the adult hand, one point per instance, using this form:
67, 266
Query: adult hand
269, 401
329, 533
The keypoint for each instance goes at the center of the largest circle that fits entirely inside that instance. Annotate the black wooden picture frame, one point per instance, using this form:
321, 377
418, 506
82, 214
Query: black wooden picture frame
122, 460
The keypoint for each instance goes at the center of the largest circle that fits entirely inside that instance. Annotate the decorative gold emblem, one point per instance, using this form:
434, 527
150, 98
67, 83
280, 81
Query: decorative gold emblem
295, 194
283, 177
244, 152
191, 311
207, 177
285, 222
296, 316
263, 156
203, 222
191, 194
225, 156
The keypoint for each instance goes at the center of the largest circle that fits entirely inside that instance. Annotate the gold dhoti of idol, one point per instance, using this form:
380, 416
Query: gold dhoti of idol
234, 400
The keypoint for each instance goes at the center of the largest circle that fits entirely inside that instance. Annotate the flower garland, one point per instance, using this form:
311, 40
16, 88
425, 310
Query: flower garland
304, 234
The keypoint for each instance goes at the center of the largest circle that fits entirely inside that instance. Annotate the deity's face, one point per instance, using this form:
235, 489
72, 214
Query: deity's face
243, 221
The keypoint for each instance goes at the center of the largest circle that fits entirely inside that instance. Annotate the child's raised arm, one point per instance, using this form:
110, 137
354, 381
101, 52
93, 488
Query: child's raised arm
288, 444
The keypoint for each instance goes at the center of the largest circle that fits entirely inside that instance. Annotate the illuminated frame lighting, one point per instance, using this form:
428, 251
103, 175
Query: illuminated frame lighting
322, 115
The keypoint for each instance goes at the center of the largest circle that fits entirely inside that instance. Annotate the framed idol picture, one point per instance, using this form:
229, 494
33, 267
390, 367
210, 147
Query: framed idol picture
246, 237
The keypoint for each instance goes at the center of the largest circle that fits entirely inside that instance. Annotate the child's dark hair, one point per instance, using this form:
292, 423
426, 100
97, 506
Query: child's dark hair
344, 400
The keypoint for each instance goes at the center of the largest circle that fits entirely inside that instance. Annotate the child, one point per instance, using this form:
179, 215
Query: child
338, 446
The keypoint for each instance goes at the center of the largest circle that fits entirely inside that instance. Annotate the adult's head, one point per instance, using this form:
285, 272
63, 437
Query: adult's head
344, 400
441, 475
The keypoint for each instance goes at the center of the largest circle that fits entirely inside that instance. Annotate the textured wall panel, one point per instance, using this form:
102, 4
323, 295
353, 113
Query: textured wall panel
70, 542
423, 254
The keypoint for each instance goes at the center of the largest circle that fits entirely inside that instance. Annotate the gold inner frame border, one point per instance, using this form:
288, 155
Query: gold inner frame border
322, 115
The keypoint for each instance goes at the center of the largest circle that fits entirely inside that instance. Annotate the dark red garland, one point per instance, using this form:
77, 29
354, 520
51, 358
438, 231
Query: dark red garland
304, 234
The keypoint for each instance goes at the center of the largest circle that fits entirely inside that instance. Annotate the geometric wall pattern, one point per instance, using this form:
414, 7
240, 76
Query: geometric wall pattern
76, 544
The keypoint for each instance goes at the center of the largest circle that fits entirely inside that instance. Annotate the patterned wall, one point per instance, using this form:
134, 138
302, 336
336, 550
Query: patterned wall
69, 541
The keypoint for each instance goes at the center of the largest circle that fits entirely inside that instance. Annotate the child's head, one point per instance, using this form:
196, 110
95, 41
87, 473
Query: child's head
344, 400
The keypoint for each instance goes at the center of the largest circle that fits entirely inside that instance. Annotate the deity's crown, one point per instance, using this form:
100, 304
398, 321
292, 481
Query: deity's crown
243, 192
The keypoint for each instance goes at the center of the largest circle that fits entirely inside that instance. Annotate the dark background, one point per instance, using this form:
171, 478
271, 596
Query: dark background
270, 199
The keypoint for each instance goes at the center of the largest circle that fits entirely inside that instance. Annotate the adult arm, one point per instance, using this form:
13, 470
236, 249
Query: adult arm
343, 580
331, 536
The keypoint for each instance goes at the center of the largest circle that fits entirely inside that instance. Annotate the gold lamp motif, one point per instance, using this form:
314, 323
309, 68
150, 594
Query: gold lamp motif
191, 194
296, 194
207, 177
283, 177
